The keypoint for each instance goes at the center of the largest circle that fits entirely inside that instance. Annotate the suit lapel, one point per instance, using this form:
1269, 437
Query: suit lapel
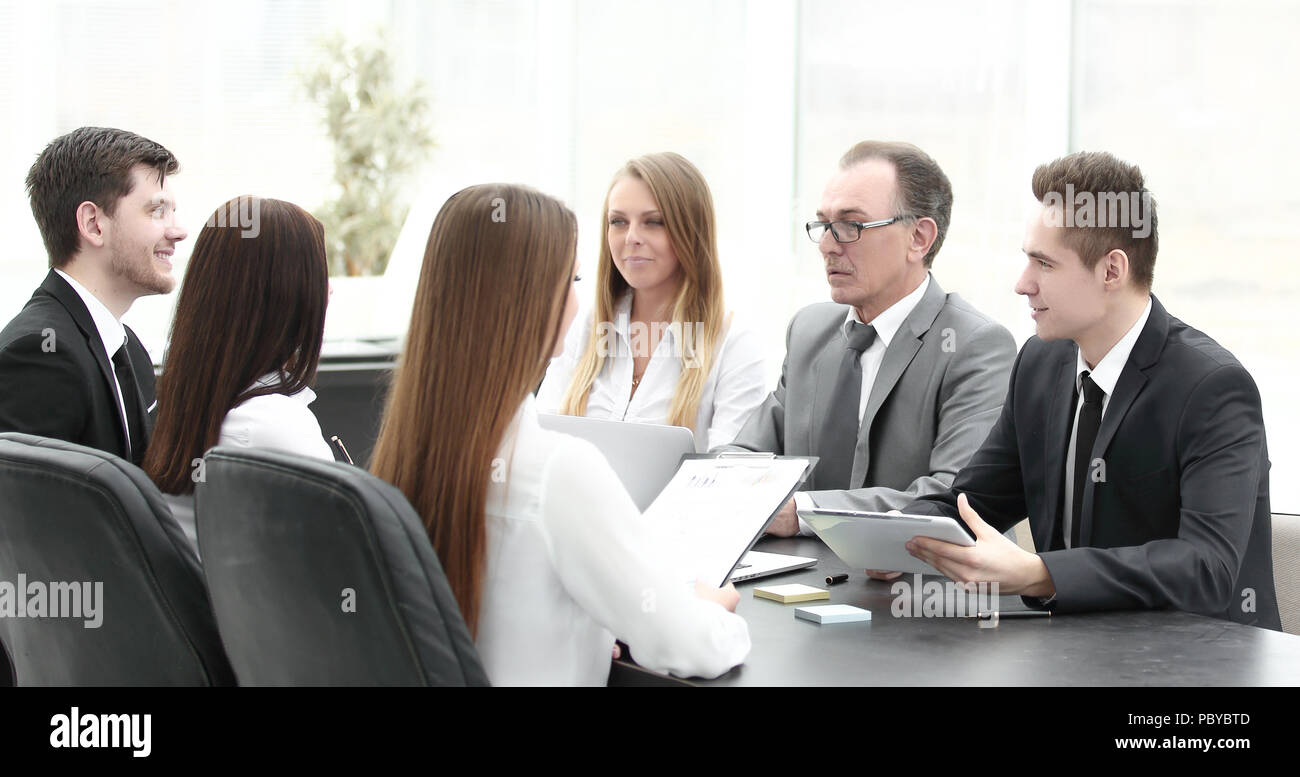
141, 368
1146, 352
56, 287
825, 366
143, 376
1055, 440
898, 356
61, 291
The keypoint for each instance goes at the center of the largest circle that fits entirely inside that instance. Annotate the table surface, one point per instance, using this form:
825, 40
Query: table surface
1137, 648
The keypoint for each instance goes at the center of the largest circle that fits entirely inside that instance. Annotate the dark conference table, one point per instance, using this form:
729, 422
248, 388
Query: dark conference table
1139, 648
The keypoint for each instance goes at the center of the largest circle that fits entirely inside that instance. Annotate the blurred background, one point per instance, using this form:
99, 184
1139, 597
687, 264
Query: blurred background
764, 96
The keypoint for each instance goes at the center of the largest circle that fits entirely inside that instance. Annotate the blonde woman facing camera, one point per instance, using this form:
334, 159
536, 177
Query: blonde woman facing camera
660, 347
543, 548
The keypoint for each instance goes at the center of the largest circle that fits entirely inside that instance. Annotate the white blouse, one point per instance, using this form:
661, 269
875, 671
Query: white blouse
737, 383
276, 421
570, 566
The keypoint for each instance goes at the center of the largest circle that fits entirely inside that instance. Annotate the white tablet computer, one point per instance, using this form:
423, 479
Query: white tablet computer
866, 540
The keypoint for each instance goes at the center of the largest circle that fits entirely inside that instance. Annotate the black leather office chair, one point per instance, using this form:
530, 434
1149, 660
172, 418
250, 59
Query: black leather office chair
322, 574
75, 515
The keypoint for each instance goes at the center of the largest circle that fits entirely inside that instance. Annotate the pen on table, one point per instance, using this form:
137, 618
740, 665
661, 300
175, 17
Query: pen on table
988, 616
339, 444
834, 579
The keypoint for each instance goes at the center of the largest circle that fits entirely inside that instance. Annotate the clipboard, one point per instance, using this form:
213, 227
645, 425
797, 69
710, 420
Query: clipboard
716, 506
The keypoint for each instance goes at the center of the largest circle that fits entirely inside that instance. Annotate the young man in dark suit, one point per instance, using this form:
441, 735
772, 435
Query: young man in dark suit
1134, 443
69, 368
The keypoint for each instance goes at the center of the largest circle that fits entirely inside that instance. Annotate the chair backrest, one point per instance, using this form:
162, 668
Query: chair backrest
1286, 569
322, 574
114, 594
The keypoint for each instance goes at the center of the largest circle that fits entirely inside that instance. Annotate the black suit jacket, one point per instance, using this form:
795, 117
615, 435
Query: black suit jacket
56, 381
1179, 516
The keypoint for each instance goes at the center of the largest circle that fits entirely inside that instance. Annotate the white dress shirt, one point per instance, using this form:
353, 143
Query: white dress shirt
1105, 375
277, 421
887, 325
737, 382
569, 566
111, 333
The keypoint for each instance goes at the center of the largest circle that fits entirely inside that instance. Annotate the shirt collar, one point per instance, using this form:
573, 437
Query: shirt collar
1108, 370
272, 378
623, 319
111, 331
891, 318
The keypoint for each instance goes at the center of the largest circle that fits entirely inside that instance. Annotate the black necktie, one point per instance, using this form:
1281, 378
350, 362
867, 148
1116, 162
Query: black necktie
1089, 423
130, 402
839, 434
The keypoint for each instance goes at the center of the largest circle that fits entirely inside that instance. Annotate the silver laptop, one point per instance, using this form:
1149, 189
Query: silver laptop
645, 456
757, 564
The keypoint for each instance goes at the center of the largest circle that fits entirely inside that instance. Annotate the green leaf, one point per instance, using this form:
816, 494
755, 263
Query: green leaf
381, 133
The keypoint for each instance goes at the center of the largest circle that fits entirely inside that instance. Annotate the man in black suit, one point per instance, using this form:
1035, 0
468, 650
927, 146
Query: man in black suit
1134, 443
68, 367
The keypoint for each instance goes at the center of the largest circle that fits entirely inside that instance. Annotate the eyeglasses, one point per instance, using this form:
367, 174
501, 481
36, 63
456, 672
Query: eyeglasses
846, 231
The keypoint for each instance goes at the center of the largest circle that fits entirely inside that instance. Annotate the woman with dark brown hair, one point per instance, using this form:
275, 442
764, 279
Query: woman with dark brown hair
245, 341
543, 548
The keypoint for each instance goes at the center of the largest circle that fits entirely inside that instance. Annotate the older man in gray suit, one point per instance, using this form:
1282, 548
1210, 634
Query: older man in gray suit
895, 383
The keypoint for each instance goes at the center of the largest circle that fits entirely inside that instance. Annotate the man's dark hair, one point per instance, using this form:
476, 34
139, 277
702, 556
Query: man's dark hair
1110, 181
88, 164
922, 188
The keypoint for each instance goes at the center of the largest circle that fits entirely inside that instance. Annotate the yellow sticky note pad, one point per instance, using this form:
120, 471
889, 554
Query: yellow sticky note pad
791, 593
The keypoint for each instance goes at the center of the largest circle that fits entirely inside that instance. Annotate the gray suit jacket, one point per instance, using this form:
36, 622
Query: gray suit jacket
939, 390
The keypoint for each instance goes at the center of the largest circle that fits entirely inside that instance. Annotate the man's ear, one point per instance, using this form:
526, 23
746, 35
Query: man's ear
90, 223
1115, 269
923, 236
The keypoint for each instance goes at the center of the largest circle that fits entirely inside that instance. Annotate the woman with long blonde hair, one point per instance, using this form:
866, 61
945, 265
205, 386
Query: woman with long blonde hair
543, 547
659, 346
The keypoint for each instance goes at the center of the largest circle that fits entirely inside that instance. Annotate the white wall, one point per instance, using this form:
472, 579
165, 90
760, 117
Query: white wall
763, 96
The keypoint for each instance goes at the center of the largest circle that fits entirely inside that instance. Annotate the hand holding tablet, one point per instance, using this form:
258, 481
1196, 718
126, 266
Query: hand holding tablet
878, 541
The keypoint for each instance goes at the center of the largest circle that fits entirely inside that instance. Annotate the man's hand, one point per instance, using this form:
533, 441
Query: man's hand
786, 522
992, 559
